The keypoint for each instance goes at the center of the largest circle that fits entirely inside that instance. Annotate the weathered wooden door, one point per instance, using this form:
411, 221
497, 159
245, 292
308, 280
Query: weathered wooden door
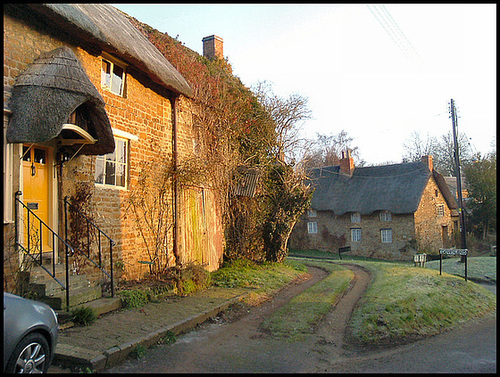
201, 229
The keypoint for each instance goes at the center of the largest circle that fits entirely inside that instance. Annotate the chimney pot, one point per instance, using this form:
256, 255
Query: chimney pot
213, 47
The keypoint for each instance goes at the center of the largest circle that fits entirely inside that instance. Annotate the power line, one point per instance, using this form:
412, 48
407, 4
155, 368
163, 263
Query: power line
411, 48
392, 29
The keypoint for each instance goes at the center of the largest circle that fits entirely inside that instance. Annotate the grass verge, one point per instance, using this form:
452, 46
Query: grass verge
478, 268
264, 279
404, 303
301, 315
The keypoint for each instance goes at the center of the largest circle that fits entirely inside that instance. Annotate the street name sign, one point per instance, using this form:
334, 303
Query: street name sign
461, 252
454, 251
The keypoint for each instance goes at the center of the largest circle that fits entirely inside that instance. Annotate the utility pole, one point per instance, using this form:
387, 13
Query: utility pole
461, 213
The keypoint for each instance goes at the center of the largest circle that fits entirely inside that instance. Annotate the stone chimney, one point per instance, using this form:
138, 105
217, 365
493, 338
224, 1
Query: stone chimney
427, 160
346, 163
213, 47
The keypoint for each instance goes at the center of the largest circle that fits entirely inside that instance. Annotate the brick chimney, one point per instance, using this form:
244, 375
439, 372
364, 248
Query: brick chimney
427, 160
346, 163
213, 47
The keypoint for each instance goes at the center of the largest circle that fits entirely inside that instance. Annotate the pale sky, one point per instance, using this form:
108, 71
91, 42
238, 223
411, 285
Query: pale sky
377, 71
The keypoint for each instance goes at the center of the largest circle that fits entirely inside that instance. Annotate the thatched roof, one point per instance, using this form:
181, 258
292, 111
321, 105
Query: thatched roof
47, 92
397, 188
106, 27
53, 86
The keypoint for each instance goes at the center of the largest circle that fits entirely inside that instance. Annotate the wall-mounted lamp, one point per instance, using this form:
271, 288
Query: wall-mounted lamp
62, 156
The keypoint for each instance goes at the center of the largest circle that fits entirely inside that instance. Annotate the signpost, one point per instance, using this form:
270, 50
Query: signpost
343, 250
460, 252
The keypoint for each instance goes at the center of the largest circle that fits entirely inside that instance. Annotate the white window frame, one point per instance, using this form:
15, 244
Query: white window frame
312, 227
355, 217
385, 216
107, 79
386, 235
120, 136
355, 234
312, 213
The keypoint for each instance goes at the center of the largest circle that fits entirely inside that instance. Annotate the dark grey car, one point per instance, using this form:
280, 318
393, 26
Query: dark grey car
30, 331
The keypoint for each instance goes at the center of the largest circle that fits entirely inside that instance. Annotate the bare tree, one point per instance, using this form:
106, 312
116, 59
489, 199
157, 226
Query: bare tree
288, 114
444, 153
416, 146
326, 150
442, 150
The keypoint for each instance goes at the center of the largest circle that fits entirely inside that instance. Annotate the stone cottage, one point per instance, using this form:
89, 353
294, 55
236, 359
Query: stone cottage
96, 123
385, 212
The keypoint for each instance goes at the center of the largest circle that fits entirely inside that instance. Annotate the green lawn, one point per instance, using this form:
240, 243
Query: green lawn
478, 268
405, 302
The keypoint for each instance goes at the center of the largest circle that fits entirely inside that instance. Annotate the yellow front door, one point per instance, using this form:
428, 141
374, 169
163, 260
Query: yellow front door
36, 196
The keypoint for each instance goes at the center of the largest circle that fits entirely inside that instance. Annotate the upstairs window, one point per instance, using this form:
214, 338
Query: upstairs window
112, 77
385, 216
355, 217
312, 213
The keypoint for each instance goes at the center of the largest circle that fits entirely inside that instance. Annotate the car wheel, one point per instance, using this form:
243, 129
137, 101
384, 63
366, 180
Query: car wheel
31, 355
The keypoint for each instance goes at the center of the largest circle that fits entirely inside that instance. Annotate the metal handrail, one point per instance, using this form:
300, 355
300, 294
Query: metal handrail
54, 236
89, 223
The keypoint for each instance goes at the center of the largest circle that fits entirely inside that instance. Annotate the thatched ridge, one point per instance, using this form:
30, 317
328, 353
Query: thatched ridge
47, 92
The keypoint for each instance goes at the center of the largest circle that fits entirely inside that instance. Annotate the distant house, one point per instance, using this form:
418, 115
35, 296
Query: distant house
379, 211
90, 108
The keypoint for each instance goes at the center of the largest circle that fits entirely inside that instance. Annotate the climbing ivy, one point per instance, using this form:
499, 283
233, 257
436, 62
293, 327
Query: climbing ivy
236, 129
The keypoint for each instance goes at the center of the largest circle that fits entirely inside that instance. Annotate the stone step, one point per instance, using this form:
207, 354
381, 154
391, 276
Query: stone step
82, 290
51, 287
37, 272
103, 305
76, 297
99, 307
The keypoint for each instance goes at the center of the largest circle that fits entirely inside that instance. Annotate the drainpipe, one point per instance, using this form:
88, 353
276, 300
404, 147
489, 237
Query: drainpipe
175, 188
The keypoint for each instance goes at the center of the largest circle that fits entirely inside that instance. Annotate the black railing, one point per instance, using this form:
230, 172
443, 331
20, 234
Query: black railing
34, 247
90, 227
33, 242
